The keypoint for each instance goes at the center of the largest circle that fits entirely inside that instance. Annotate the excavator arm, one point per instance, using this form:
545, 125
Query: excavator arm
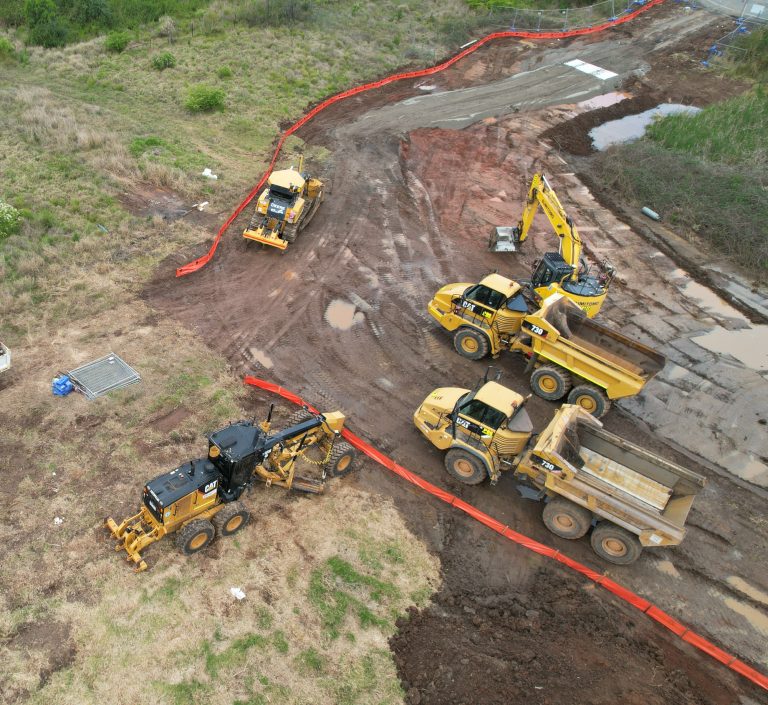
542, 194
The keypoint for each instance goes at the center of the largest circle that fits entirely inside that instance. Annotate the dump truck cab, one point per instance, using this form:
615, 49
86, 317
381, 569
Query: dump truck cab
482, 429
494, 309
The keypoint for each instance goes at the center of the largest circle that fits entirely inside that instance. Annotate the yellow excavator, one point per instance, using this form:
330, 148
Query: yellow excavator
202, 497
564, 272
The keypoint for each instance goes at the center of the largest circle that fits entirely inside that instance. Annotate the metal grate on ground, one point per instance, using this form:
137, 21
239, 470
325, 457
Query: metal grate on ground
103, 375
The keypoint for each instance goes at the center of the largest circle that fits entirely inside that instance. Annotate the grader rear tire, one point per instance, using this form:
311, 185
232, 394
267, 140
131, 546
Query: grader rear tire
566, 519
465, 467
195, 536
471, 344
551, 382
591, 399
342, 460
299, 416
231, 518
615, 544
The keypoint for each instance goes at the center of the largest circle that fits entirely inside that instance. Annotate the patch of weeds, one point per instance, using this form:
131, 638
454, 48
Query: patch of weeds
139, 145
264, 618
332, 603
310, 661
253, 700
372, 553
116, 42
224, 72
10, 220
168, 591
204, 99
163, 61
233, 655
182, 693
280, 642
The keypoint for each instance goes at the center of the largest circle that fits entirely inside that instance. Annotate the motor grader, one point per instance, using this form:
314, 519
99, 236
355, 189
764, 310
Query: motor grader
285, 207
564, 272
588, 478
202, 497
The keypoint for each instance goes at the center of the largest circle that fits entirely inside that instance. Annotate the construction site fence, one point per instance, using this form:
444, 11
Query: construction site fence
632, 10
623, 593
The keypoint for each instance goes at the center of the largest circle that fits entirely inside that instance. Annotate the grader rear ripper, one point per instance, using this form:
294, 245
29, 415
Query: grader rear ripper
285, 207
202, 497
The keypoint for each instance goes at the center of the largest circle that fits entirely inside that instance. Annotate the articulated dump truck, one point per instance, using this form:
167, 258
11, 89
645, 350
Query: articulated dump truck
570, 355
590, 479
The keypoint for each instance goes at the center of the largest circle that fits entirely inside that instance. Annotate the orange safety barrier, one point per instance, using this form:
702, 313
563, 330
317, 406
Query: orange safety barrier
200, 262
620, 591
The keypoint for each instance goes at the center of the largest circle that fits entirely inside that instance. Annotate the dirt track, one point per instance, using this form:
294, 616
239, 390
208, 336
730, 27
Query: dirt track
341, 319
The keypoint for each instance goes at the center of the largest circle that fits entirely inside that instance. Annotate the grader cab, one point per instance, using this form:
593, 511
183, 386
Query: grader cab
202, 497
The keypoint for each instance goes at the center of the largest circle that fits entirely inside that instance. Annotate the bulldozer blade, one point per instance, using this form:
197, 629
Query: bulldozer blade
503, 239
306, 484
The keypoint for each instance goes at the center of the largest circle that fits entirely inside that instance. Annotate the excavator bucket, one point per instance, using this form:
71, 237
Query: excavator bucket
504, 239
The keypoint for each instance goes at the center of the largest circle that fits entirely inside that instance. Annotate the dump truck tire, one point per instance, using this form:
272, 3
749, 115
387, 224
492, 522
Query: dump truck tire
465, 467
231, 519
471, 344
342, 460
615, 544
566, 519
591, 399
551, 382
195, 536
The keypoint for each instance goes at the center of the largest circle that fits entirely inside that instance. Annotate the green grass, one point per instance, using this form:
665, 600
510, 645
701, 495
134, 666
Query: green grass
334, 602
723, 203
732, 132
205, 99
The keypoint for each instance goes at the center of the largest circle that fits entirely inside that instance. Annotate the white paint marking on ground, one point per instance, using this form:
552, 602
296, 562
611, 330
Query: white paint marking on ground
591, 69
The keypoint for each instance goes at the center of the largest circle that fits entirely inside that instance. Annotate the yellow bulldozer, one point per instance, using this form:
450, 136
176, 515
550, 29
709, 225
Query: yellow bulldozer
285, 207
566, 271
202, 497
590, 480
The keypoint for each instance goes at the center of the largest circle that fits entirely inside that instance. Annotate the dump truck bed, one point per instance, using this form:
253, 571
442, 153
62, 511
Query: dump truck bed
617, 480
561, 333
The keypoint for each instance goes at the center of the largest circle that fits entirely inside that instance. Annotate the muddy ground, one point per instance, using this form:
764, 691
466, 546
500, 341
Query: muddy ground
421, 171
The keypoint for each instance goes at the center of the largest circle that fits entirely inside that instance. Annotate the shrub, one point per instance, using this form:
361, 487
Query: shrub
166, 27
92, 12
49, 34
224, 72
10, 219
204, 99
40, 12
163, 61
6, 48
117, 41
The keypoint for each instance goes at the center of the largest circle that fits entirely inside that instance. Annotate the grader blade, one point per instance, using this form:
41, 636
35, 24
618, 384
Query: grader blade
307, 484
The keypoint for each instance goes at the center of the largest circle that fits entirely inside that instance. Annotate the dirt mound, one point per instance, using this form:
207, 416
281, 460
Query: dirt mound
540, 646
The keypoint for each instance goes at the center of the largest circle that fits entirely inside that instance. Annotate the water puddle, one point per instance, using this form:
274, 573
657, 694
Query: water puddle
709, 300
342, 315
754, 616
632, 127
666, 567
603, 101
748, 345
262, 358
743, 586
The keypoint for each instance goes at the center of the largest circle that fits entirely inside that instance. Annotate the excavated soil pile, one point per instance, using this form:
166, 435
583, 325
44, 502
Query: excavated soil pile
555, 643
